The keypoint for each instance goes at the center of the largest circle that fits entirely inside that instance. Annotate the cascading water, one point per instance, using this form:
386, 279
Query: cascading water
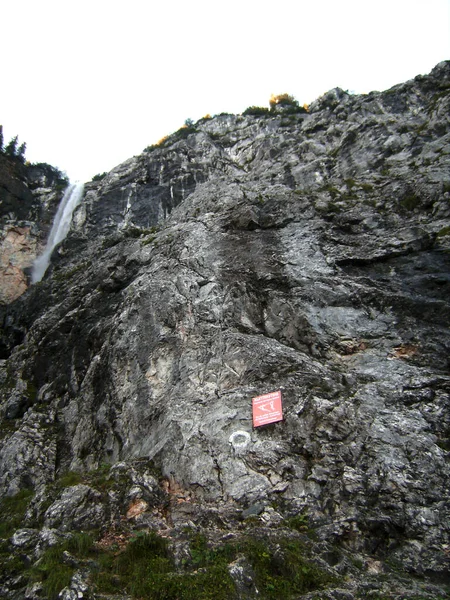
59, 230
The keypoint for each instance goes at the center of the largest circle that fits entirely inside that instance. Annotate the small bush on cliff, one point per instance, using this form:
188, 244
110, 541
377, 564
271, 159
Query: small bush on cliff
284, 103
186, 130
287, 103
159, 144
99, 176
256, 111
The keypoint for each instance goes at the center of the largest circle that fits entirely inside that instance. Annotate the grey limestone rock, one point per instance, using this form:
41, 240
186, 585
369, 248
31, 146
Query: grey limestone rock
302, 252
79, 507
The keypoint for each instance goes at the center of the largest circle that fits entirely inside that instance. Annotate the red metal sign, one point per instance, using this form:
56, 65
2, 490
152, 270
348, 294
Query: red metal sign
267, 409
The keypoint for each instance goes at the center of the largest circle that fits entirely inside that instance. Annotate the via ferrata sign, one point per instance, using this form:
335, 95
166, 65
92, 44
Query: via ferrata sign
267, 409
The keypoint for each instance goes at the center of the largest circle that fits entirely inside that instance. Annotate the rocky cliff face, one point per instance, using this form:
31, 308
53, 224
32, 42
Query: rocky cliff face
29, 197
307, 252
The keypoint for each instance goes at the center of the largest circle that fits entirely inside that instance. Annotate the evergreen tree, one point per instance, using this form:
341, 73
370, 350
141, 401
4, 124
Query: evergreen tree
21, 152
11, 148
1, 138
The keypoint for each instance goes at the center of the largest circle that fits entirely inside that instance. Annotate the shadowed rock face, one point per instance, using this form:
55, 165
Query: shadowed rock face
301, 252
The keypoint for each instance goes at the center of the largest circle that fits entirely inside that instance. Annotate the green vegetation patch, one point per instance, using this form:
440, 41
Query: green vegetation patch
135, 232
66, 274
55, 568
7, 428
10, 565
283, 571
12, 511
145, 567
99, 176
256, 111
185, 131
444, 232
69, 479
98, 478
410, 202
298, 522
52, 570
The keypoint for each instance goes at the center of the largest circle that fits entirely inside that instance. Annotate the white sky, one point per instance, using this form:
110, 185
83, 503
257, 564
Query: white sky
88, 84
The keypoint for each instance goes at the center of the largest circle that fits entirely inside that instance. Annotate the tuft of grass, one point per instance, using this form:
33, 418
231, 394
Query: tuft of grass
81, 544
12, 511
69, 479
283, 572
10, 565
145, 546
53, 572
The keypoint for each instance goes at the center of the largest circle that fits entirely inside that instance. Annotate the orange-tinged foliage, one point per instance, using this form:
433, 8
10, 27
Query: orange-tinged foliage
281, 99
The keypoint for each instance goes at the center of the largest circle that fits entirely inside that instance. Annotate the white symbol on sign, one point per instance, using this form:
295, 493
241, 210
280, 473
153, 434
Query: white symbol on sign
263, 407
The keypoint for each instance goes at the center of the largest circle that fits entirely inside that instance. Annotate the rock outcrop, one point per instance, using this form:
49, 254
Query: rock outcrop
307, 252
29, 196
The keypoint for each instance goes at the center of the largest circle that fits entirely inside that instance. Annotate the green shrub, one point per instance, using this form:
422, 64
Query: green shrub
297, 522
185, 131
256, 111
99, 176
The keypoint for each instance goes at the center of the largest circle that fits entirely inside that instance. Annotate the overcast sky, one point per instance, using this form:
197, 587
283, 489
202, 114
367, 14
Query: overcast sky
88, 84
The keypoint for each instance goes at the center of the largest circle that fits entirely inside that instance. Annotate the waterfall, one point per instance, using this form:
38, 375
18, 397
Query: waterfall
59, 230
